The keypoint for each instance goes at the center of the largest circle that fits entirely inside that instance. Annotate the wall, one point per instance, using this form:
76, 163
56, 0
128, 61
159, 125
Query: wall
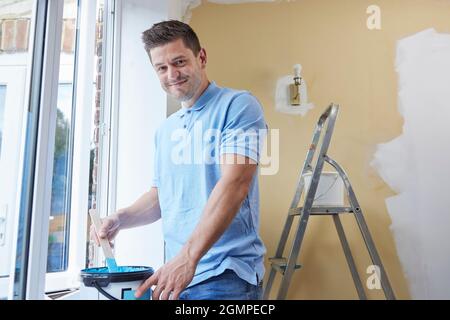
419, 210
142, 108
252, 45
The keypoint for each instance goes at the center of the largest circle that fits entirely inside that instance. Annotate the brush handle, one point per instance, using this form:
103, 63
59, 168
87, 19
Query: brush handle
104, 243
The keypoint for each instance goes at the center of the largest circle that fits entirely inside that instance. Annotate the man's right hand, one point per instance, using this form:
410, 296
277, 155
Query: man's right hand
143, 211
109, 229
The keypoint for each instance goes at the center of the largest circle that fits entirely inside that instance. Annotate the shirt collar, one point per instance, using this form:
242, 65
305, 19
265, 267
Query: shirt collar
209, 92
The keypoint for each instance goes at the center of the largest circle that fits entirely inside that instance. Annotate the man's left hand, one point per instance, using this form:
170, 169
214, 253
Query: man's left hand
171, 279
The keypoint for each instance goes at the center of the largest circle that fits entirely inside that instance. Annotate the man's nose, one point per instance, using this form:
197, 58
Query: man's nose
173, 73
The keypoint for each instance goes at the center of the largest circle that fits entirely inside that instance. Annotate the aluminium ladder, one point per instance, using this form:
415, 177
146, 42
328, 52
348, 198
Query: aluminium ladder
287, 266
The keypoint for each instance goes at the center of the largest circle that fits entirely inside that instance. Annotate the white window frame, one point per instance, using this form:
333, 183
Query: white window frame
38, 245
37, 279
109, 123
14, 79
69, 279
106, 193
58, 281
86, 22
26, 60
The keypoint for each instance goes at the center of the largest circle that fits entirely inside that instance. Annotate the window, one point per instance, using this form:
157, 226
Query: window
2, 217
15, 39
2, 113
59, 225
35, 199
57, 257
77, 143
101, 153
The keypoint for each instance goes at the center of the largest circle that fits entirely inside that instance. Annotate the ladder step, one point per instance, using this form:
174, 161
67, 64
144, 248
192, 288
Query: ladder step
323, 210
280, 264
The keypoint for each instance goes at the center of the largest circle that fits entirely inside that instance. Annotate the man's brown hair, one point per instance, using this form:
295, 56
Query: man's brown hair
164, 32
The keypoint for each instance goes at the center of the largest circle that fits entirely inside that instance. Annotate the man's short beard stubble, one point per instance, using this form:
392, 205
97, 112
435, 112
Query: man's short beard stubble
197, 81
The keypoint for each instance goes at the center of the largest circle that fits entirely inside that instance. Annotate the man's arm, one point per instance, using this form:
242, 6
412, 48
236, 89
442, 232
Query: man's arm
221, 208
144, 210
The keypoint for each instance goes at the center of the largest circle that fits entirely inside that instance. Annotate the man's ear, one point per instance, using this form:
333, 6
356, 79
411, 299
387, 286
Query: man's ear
203, 57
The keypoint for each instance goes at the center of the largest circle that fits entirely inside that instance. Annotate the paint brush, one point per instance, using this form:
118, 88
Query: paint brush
104, 243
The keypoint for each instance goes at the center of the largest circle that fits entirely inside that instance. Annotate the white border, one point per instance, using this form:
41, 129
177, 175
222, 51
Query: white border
14, 77
115, 96
37, 263
29, 64
84, 94
107, 153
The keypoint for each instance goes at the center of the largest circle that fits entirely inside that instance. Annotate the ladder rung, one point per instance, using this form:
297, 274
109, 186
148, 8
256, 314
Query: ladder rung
308, 169
324, 210
280, 264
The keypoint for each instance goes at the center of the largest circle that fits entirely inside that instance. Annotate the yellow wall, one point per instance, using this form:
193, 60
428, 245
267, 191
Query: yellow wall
250, 46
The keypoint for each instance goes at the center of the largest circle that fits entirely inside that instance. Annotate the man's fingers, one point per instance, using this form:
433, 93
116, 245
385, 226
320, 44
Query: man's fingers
166, 293
157, 292
147, 284
175, 294
103, 232
94, 236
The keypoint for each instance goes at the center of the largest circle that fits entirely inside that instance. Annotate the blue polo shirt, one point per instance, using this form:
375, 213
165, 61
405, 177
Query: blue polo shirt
188, 146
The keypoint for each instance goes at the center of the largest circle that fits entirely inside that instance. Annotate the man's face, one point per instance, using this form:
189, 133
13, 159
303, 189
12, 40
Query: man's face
179, 71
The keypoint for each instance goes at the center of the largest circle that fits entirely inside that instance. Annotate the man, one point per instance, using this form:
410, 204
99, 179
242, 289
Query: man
205, 186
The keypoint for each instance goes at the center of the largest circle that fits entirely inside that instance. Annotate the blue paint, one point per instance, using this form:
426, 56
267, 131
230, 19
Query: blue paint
129, 295
121, 269
112, 265
113, 283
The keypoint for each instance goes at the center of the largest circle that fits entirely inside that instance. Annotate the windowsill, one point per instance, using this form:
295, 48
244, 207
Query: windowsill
4, 284
64, 295
61, 281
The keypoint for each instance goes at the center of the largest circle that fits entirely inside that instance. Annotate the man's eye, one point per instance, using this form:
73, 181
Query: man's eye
160, 69
179, 62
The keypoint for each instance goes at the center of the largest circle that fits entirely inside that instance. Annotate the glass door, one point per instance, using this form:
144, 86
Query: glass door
17, 19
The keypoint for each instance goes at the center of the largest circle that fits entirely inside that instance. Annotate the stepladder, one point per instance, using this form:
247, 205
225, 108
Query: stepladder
302, 208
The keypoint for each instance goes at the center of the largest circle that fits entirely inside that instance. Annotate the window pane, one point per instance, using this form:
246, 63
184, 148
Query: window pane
60, 206
58, 241
2, 115
16, 17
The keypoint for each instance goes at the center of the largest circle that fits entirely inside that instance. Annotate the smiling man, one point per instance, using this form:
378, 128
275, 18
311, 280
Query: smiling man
208, 202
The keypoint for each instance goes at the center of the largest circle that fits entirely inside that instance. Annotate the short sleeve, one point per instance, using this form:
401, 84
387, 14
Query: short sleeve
244, 129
